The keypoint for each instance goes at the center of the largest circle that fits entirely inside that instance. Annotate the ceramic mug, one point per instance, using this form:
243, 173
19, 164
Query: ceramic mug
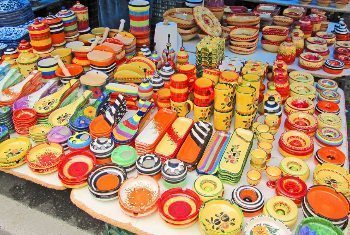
179, 94
222, 120
162, 98
212, 74
266, 137
245, 98
252, 80
229, 77
201, 113
182, 108
224, 95
203, 92
267, 147
243, 120
179, 81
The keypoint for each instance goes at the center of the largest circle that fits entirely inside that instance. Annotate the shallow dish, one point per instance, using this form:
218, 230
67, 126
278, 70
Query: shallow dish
208, 187
329, 120
333, 66
298, 76
263, 223
294, 12
329, 37
328, 136
319, 49
316, 40
183, 17
330, 155
13, 151
291, 187
327, 107
318, 224
303, 89
300, 121
296, 144
295, 167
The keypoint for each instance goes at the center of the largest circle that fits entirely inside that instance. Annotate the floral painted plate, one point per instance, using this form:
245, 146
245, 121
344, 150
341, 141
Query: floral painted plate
266, 225
13, 150
220, 216
207, 21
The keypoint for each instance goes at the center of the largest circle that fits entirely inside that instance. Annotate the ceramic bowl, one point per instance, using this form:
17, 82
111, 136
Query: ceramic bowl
294, 12
318, 49
317, 224
149, 164
85, 38
299, 76
295, 167
300, 121
333, 66
101, 58
282, 20
315, 40
249, 199
253, 177
283, 209
208, 187
329, 120
328, 136
75, 70
275, 33
79, 141
327, 107
138, 196
296, 144
329, 37
264, 223
299, 103
174, 171
243, 19
47, 67
183, 17
303, 90
311, 61
125, 156
326, 84
243, 44
244, 34
270, 45
188, 34
291, 187
242, 51
329, 95
330, 155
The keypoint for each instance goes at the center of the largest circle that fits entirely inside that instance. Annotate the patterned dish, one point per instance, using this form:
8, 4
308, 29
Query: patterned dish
244, 34
300, 121
329, 37
266, 225
328, 136
295, 167
149, 164
13, 151
311, 61
333, 66
318, 225
298, 76
330, 155
303, 89
183, 17
329, 120
299, 104
174, 171
207, 21
275, 33
326, 84
243, 19
291, 187
283, 209
316, 40
296, 144
220, 216
208, 187
138, 196
282, 20
249, 199
125, 156
329, 95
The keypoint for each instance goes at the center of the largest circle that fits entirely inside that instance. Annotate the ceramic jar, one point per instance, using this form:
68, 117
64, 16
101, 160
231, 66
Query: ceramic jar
47, 67
298, 31
288, 51
156, 82
181, 57
27, 62
341, 31
273, 114
69, 23
64, 53
271, 91
56, 30
94, 81
298, 42
82, 14
224, 97
306, 26
24, 46
139, 21
253, 80
229, 76
162, 98
282, 86
156, 59
40, 37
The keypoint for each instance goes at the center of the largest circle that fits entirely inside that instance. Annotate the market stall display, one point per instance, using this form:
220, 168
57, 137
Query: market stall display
194, 135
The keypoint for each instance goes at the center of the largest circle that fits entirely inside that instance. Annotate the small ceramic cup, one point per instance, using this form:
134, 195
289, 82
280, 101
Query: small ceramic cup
266, 137
267, 147
222, 120
202, 113
273, 173
182, 108
162, 98
224, 97
253, 177
258, 156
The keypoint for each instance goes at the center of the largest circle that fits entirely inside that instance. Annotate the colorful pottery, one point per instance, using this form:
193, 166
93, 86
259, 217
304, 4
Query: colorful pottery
295, 167
330, 155
27, 62
291, 187
150, 165
208, 187
298, 76
249, 199
299, 104
317, 224
303, 89
174, 173
56, 30
300, 121
329, 95
329, 136
40, 37
13, 152
253, 177
296, 144
266, 224
287, 50
82, 14
329, 120
125, 156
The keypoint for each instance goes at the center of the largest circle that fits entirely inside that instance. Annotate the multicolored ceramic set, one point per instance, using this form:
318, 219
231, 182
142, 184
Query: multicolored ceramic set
88, 109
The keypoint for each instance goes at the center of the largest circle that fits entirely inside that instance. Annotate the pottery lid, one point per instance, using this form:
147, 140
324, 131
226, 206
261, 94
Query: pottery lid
10, 51
64, 13
155, 57
37, 26
94, 78
24, 45
78, 7
27, 57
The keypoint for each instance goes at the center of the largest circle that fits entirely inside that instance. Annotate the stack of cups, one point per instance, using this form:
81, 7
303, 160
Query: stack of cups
82, 13
139, 22
179, 90
190, 71
203, 99
69, 23
40, 37
223, 106
56, 30
245, 108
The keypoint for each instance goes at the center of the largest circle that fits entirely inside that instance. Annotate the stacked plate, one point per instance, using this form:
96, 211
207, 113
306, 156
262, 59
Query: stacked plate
336, 212
125, 156
15, 12
291, 187
23, 119
105, 180
6, 118
149, 164
179, 207
74, 168
59, 135
174, 173
44, 158
80, 141
12, 36
102, 149
38, 133
4, 133
249, 199
13, 152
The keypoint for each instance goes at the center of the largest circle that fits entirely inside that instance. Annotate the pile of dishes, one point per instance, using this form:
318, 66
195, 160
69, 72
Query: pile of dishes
329, 136
244, 40
243, 19
208, 187
329, 120
138, 196
102, 149
44, 158
174, 173
303, 122
6, 118
179, 207
23, 119
74, 168
291, 187
38, 133
273, 36
249, 199
220, 215
327, 107
283, 209
125, 156
12, 36
296, 144
13, 152
105, 180
315, 205
299, 104
15, 12
149, 164
4, 133
59, 135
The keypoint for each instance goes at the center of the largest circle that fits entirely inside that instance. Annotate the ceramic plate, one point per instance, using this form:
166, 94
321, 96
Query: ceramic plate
14, 149
266, 225
44, 156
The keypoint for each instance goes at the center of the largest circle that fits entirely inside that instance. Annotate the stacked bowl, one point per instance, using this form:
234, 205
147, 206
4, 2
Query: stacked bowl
13, 152
273, 36
102, 149
23, 119
4, 133
149, 164
80, 141
15, 12
38, 133
105, 180
296, 144
70, 24
244, 40
125, 156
